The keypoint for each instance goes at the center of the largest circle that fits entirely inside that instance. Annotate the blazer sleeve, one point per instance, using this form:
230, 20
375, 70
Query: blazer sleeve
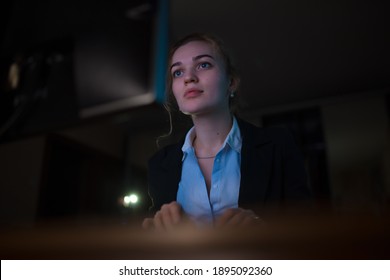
295, 183
288, 190
164, 171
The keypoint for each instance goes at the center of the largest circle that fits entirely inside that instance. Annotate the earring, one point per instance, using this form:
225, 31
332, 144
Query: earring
232, 94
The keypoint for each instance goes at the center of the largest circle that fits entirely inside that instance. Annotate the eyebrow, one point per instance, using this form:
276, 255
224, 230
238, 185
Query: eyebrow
193, 59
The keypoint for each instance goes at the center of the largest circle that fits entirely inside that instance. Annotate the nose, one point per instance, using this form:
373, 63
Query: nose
190, 77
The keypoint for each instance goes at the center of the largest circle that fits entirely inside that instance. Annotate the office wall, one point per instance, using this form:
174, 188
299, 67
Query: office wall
356, 135
21, 165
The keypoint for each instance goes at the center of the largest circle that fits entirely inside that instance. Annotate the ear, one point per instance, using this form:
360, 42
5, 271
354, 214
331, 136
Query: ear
234, 83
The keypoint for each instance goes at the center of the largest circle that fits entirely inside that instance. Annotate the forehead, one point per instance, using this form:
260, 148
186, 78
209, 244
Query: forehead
192, 49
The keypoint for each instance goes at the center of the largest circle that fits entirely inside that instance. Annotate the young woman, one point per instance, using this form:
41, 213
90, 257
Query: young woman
224, 165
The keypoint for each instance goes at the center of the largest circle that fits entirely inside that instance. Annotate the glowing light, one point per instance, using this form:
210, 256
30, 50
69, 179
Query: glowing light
131, 199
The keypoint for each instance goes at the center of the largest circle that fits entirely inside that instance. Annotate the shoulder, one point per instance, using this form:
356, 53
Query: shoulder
166, 153
262, 135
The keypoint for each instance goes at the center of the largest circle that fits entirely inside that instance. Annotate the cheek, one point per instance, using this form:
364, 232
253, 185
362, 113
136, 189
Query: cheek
175, 89
216, 82
221, 85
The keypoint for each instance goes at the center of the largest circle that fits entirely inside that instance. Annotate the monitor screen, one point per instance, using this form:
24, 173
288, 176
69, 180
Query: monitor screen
116, 66
64, 61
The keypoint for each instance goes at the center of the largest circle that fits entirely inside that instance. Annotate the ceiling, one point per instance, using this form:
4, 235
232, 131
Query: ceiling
293, 51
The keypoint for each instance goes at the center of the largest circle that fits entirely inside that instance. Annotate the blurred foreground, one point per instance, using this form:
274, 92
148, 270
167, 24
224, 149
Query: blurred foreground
315, 236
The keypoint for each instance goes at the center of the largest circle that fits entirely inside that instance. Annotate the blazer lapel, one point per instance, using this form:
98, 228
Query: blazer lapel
256, 164
171, 166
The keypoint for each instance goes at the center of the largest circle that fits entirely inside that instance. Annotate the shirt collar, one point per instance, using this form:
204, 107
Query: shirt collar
233, 139
187, 146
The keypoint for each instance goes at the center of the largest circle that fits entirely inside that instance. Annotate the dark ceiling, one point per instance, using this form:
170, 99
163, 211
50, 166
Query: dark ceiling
292, 51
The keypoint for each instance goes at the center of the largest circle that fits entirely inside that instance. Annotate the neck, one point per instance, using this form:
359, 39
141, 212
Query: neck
211, 132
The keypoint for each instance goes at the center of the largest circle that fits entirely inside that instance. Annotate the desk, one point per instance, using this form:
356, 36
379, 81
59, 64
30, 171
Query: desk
321, 237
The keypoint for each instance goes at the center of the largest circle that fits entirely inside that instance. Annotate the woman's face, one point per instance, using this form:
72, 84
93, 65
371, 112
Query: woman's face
199, 80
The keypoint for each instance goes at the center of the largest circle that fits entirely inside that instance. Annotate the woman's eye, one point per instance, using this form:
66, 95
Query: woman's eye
204, 65
177, 73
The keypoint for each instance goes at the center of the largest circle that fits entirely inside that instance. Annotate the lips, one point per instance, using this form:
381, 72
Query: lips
192, 92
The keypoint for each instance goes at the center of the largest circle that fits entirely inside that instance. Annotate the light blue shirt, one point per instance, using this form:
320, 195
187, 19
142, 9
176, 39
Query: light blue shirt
225, 179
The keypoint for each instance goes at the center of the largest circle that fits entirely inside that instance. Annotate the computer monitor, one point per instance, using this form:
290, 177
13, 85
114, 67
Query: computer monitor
66, 61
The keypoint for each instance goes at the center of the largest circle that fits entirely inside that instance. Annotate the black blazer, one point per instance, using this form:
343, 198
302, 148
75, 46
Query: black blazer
272, 169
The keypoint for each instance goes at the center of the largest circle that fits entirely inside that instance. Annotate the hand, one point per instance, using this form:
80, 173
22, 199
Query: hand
168, 217
234, 217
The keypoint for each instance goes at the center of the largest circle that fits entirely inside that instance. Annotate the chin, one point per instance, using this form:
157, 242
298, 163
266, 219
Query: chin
190, 110
197, 110
186, 113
